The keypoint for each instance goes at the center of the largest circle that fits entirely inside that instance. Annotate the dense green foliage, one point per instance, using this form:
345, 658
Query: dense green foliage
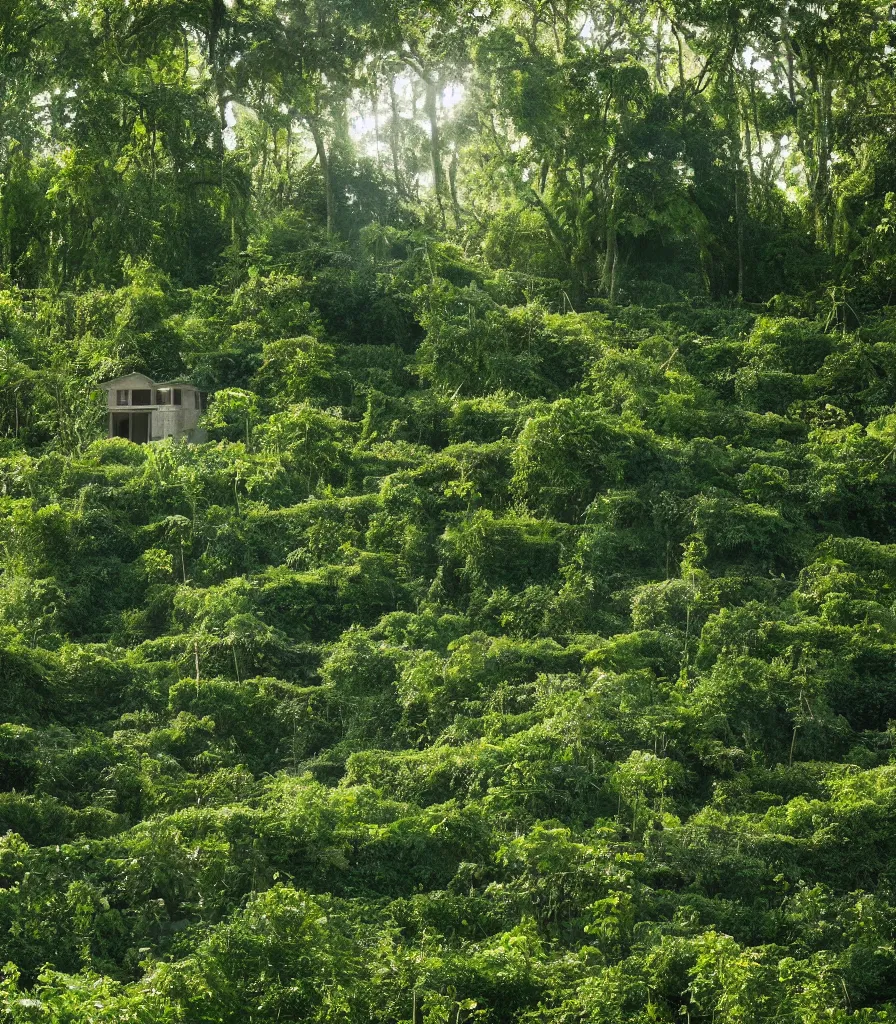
521, 647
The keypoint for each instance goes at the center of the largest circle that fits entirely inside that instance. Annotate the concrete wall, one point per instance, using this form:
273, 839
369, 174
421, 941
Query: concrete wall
133, 380
176, 420
165, 420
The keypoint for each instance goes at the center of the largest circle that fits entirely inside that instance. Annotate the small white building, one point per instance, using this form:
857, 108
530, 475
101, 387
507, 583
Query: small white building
142, 410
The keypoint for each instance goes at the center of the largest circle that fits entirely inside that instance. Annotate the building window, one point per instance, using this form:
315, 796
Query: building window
163, 396
141, 396
197, 399
177, 396
123, 397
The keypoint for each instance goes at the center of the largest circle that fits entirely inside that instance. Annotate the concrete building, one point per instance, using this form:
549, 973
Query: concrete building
143, 410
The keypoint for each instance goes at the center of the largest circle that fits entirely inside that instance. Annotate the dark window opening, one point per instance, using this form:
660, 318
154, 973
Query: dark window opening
140, 427
123, 397
141, 396
163, 396
177, 396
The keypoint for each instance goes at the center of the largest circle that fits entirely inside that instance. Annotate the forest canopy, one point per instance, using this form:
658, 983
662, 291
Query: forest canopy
520, 645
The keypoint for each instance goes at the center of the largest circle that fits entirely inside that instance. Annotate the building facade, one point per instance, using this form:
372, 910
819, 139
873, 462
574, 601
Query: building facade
143, 410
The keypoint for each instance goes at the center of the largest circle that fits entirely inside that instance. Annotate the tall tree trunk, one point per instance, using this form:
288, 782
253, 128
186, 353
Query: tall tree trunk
285, 186
736, 135
821, 187
395, 136
746, 150
326, 170
263, 170
431, 102
611, 249
658, 69
611, 256
739, 218
754, 109
216, 19
452, 183
376, 124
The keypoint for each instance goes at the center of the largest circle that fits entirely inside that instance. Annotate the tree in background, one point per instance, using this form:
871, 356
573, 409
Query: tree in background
671, 142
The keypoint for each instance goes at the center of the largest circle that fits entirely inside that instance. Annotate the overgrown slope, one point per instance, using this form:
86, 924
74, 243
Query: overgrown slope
491, 664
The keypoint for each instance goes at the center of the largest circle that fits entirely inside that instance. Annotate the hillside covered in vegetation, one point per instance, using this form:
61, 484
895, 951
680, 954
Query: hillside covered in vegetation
521, 646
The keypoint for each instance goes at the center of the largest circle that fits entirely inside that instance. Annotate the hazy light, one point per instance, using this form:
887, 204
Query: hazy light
452, 95
230, 122
361, 126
